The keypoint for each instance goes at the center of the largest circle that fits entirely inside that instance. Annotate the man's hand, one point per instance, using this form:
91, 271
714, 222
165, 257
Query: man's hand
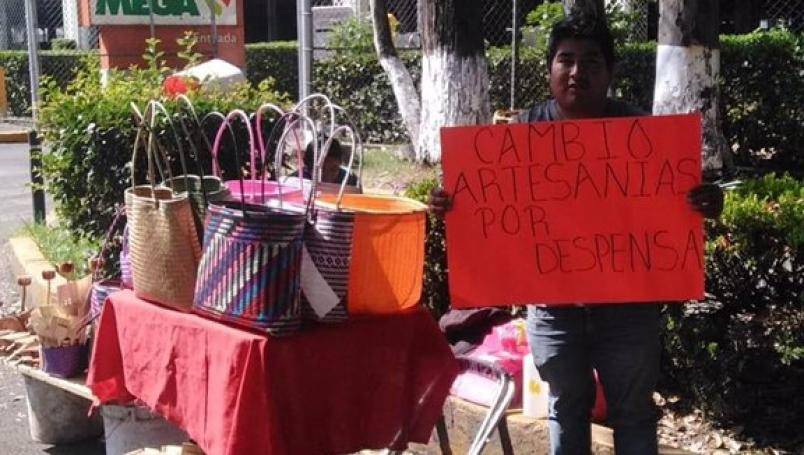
440, 202
706, 199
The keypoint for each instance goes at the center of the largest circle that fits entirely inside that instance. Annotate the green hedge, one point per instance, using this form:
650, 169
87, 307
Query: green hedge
60, 65
278, 60
762, 92
739, 355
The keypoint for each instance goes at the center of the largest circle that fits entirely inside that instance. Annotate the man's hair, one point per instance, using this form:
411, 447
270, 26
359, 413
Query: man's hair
335, 151
581, 27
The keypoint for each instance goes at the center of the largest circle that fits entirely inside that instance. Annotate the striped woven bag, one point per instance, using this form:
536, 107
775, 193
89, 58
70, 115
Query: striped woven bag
250, 268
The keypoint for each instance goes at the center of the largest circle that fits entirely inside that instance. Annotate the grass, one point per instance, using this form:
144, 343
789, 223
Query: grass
59, 245
384, 172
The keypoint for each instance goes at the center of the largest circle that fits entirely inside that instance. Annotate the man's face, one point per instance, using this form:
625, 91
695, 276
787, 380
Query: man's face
579, 78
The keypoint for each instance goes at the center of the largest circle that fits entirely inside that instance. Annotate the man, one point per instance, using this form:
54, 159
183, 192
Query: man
621, 342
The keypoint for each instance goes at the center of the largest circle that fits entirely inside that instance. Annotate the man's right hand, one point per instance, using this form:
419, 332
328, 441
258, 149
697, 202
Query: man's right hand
439, 202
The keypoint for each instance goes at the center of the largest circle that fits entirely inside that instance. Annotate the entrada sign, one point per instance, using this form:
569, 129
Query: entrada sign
165, 12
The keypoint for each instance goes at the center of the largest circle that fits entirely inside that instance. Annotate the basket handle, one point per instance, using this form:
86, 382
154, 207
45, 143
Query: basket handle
142, 130
120, 212
291, 127
359, 144
258, 121
197, 155
226, 125
301, 107
327, 145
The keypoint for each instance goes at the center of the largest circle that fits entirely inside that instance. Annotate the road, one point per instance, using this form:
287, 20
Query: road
16, 210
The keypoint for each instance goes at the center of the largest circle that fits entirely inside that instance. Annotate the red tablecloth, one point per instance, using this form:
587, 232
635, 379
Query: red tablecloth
370, 383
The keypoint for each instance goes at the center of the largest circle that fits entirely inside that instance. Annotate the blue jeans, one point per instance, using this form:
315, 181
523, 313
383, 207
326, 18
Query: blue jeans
622, 343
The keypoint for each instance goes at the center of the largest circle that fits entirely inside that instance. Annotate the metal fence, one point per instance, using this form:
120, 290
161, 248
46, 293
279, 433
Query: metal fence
787, 13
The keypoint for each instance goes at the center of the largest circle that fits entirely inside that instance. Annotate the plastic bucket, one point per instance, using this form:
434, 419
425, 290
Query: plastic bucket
129, 428
64, 361
387, 251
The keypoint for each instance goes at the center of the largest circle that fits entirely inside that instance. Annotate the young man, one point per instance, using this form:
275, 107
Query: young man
620, 341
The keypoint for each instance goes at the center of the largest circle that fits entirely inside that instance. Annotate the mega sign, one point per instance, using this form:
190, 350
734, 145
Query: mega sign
588, 211
165, 12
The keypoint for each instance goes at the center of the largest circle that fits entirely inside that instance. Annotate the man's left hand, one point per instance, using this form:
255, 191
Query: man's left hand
706, 199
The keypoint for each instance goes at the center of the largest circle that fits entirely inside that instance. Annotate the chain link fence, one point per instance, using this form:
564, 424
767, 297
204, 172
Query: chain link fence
787, 13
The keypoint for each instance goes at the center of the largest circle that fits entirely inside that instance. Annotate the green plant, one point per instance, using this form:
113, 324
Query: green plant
60, 44
188, 53
352, 36
89, 132
435, 294
59, 245
542, 19
278, 61
358, 83
740, 353
59, 65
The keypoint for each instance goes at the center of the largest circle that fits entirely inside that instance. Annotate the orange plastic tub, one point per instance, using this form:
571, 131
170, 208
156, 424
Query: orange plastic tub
387, 254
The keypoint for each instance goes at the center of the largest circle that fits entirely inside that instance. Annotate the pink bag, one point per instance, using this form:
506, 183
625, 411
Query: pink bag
504, 349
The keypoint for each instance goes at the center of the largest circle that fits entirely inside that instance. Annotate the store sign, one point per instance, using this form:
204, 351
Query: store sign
165, 12
586, 211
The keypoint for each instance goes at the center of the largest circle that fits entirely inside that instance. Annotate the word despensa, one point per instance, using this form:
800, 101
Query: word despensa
523, 176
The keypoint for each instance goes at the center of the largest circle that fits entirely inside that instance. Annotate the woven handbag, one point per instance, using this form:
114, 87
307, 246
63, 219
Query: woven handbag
250, 269
201, 187
254, 189
163, 241
369, 248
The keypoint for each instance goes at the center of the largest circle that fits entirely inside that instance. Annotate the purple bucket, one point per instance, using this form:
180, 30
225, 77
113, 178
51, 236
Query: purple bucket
64, 361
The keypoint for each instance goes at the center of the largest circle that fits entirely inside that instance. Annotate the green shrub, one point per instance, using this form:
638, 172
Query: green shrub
278, 60
435, 294
740, 353
90, 133
62, 44
762, 91
359, 85
59, 245
58, 65
351, 36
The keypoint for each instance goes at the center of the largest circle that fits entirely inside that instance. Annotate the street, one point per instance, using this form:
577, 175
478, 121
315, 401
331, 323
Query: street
16, 210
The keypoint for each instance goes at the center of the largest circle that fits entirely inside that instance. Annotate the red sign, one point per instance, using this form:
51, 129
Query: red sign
587, 211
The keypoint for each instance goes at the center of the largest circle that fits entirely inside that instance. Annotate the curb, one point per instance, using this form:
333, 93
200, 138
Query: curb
26, 259
14, 137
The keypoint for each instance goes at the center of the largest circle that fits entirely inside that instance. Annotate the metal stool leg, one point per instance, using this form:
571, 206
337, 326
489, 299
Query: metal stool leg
496, 412
443, 437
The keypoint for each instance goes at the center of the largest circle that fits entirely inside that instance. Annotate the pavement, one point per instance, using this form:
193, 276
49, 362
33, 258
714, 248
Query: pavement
15, 210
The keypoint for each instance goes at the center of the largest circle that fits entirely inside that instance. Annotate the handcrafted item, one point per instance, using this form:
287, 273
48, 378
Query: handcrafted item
368, 248
101, 288
249, 272
164, 244
23, 281
254, 189
126, 277
48, 276
202, 188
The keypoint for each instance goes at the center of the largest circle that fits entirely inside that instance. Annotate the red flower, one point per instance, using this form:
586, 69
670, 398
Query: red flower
175, 85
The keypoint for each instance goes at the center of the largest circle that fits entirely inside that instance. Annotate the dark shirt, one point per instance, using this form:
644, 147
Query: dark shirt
547, 111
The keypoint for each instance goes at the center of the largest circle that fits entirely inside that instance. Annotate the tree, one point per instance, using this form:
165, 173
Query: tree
688, 68
454, 82
589, 8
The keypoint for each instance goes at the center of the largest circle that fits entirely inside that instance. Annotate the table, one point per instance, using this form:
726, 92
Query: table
370, 383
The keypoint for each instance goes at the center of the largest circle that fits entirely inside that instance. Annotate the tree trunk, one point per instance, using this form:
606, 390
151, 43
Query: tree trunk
454, 71
407, 97
687, 70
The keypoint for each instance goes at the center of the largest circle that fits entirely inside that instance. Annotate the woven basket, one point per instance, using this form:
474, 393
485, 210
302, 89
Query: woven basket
163, 241
250, 270
64, 361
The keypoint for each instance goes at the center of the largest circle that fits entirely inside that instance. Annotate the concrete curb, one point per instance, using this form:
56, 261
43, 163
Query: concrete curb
528, 435
14, 137
26, 259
